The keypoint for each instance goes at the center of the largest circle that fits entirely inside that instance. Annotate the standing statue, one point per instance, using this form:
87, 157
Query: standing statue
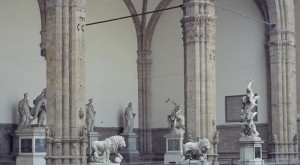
176, 119
24, 112
129, 116
249, 102
39, 109
90, 115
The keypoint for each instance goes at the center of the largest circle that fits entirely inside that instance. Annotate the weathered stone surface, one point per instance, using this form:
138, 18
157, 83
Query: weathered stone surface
198, 25
65, 60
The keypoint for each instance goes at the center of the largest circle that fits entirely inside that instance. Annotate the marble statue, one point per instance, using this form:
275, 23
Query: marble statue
39, 109
101, 150
196, 150
176, 119
90, 115
24, 112
129, 119
249, 102
48, 132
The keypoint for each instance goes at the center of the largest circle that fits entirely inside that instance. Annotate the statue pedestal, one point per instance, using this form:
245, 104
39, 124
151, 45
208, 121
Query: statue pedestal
31, 146
95, 163
130, 152
174, 149
250, 151
192, 162
92, 136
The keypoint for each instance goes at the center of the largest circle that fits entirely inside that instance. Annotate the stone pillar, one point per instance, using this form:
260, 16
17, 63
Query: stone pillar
144, 87
65, 81
198, 25
282, 57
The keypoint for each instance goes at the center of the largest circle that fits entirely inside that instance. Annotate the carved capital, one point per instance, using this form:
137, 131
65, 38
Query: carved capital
199, 28
285, 43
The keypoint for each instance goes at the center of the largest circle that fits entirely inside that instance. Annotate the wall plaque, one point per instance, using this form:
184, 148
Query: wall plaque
233, 107
26, 145
173, 145
257, 152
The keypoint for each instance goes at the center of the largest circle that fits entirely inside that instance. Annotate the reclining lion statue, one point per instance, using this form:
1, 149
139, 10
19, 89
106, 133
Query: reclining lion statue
101, 150
196, 150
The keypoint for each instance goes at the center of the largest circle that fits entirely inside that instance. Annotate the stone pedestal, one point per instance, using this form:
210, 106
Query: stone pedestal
192, 162
31, 146
250, 151
174, 149
130, 152
92, 136
95, 163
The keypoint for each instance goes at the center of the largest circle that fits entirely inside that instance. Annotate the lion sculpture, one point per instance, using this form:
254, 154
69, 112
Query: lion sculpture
101, 150
196, 150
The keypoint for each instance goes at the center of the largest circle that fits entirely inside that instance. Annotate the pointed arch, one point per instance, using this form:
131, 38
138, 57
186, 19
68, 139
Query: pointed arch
153, 21
42, 6
136, 21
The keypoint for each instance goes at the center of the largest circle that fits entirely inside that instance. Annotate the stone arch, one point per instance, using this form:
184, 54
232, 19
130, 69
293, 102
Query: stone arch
144, 35
153, 21
136, 21
42, 7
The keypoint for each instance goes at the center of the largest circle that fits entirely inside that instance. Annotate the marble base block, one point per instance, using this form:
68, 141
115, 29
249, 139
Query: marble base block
174, 149
130, 152
92, 136
250, 151
32, 149
95, 163
192, 162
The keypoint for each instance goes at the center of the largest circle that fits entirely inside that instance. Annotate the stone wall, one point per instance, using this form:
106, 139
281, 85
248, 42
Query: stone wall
159, 142
7, 142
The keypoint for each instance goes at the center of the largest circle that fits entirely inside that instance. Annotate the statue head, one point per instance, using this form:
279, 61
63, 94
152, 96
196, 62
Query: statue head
25, 95
129, 104
91, 100
204, 145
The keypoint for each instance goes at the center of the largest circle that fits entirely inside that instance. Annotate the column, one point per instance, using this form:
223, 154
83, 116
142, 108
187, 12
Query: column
282, 57
144, 87
198, 25
283, 94
65, 22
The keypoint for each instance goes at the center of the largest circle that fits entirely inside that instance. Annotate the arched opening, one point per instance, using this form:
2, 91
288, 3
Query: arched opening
22, 69
111, 76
